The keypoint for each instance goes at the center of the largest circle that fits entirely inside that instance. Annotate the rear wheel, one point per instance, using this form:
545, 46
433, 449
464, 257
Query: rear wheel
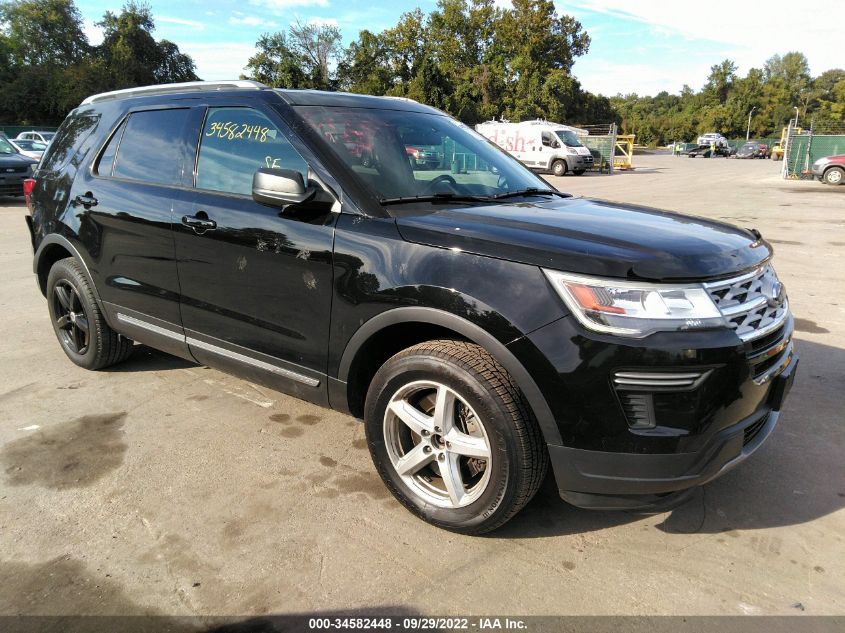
559, 168
834, 176
83, 333
452, 438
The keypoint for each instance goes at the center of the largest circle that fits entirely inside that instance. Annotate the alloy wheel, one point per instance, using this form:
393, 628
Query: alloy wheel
71, 320
437, 444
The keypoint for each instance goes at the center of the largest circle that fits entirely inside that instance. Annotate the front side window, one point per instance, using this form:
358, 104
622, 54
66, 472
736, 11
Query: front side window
400, 154
151, 149
236, 142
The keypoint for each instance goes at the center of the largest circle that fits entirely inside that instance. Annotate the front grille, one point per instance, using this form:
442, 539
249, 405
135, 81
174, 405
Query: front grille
17, 169
753, 430
754, 304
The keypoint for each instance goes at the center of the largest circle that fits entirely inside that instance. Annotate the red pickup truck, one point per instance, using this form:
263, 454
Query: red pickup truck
830, 169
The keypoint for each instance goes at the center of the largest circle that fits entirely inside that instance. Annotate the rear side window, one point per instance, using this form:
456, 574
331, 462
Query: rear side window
106, 163
69, 140
236, 142
151, 149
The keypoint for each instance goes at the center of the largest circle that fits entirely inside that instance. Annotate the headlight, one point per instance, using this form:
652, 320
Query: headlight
635, 309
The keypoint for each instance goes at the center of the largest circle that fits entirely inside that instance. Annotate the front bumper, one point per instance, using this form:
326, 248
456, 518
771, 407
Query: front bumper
698, 431
11, 184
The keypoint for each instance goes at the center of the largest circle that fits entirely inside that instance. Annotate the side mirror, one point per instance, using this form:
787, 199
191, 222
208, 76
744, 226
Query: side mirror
280, 187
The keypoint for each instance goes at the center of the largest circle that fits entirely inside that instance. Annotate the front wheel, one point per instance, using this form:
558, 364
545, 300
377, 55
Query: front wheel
834, 176
452, 437
559, 168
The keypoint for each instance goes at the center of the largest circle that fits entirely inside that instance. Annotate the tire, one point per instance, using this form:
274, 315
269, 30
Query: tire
73, 308
579, 172
834, 176
489, 414
559, 168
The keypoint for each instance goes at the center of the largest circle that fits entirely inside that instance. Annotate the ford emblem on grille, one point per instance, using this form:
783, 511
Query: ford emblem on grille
772, 290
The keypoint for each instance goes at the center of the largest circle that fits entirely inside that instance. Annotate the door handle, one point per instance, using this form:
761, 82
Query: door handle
200, 222
86, 200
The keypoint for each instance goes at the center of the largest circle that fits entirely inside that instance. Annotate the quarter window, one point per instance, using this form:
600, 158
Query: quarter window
236, 142
152, 147
104, 166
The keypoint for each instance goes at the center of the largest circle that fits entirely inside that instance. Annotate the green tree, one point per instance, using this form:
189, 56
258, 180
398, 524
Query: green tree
132, 56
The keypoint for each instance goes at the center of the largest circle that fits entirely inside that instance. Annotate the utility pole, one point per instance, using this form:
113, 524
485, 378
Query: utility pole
796, 116
748, 129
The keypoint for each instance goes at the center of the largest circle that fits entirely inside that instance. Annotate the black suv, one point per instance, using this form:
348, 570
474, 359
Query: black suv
481, 323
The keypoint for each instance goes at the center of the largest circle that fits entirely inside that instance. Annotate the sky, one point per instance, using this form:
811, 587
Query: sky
641, 46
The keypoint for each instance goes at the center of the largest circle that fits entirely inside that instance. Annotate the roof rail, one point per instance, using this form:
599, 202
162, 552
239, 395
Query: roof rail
179, 87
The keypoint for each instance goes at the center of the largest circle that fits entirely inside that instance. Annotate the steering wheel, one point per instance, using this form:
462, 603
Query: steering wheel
441, 178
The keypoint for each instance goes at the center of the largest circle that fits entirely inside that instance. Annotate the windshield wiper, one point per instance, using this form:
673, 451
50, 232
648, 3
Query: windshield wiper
530, 191
437, 197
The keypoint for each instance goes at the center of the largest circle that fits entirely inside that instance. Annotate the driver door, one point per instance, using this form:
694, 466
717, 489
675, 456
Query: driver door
256, 280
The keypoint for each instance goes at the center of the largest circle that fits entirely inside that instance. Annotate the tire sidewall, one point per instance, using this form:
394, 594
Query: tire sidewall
489, 408
61, 271
559, 168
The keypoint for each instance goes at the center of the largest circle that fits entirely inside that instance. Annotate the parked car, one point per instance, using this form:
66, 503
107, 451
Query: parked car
35, 135
14, 169
707, 150
422, 156
711, 137
29, 148
830, 169
753, 149
483, 329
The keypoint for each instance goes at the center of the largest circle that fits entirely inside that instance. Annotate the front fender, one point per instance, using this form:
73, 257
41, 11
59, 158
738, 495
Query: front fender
470, 331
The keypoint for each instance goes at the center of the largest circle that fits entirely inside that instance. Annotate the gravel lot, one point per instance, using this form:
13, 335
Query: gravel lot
169, 488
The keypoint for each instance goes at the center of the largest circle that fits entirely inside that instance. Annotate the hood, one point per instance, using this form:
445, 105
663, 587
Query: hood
15, 160
591, 237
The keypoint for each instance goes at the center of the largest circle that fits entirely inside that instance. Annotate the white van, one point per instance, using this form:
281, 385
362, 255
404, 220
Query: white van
541, 145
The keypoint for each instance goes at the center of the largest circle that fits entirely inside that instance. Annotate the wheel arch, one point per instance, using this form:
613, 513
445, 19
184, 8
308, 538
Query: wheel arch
53, 248
391, 331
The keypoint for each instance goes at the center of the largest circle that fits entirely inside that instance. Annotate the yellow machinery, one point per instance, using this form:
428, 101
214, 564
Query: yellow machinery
623, 155
777, 148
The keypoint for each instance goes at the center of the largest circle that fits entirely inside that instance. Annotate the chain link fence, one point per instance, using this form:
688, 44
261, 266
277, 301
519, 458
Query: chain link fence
805, 147
601, 141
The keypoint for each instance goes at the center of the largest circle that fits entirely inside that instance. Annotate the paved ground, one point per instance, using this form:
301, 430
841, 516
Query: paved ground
170, 488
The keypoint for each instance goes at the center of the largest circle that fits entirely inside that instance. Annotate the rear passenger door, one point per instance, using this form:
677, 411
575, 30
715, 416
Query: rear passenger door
129, 197
257, 283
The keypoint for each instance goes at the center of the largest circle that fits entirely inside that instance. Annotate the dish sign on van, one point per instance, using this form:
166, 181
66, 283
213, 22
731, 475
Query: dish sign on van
512, 139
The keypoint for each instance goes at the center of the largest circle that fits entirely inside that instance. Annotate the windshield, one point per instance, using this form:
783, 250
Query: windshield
6, 148
404, 155
568, 137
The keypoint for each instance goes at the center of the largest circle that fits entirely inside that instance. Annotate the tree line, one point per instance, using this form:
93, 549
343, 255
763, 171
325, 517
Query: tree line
471, 58
48, 66
770, 95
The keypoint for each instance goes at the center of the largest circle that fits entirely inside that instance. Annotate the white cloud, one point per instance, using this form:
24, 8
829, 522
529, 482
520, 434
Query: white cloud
323, 21
280, 5
180, 22
751, 31
219, 60
248, 20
